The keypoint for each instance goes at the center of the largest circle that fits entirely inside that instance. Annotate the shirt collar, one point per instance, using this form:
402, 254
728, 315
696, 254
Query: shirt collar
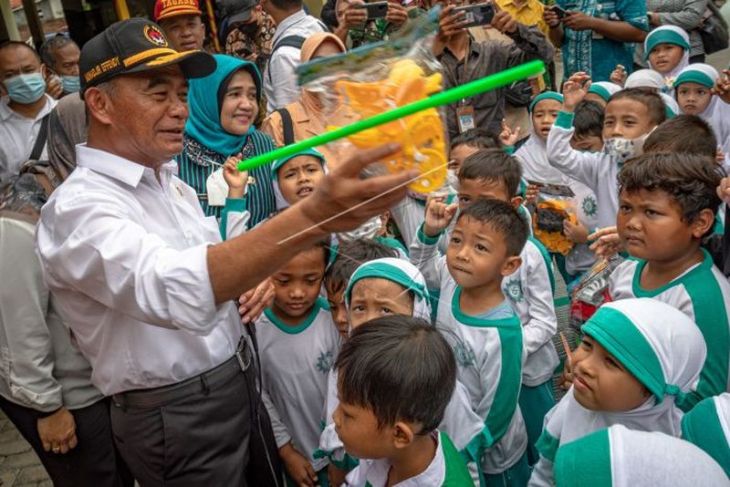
289, 22
6, 112
119, 168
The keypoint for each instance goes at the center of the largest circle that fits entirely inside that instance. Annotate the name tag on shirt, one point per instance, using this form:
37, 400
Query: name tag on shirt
465, 117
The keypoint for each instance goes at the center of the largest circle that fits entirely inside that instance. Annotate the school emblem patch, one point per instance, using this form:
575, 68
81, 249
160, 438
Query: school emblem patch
464, 354
155, 36
590, 207
513, 289
325, 361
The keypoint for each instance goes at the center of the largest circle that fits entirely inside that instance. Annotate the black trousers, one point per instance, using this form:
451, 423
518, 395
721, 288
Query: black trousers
94, 462
205, 431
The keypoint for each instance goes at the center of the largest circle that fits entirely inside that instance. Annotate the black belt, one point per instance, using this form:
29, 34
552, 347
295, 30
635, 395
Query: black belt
159, 396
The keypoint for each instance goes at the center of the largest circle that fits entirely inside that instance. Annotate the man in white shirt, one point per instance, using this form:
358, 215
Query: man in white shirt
293, 26
141, 275
23, 108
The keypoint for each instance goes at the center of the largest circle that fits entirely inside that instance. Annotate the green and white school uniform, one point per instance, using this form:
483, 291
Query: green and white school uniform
282, 203
295, 361
660, 346
447, 469
668, 34
707, 425
598, 171
703, 294
621, 457
489, 355
459, 422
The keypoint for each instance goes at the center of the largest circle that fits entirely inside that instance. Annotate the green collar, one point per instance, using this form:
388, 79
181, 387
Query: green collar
474, 321
640, 292
319, 304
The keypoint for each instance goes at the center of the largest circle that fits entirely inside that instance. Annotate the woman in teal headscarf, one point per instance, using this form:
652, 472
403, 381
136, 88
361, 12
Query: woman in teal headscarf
223, 107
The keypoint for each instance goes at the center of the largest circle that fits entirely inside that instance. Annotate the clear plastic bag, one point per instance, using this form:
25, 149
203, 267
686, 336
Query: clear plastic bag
592, 291
380, 77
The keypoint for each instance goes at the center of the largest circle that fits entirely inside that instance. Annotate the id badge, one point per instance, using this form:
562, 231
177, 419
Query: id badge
465, 117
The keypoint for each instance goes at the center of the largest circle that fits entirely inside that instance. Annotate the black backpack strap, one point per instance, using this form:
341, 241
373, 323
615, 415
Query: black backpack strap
287, 41
287, 124
40, 141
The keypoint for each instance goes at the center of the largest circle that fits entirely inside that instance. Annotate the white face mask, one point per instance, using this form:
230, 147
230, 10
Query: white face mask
369, 229
623, 149
452, 180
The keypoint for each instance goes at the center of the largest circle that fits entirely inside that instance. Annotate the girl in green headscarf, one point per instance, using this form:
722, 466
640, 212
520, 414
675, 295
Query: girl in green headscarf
223, 107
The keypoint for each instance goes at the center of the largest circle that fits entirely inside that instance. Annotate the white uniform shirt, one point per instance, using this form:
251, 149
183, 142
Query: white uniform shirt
280, 79
126, 258
18, 135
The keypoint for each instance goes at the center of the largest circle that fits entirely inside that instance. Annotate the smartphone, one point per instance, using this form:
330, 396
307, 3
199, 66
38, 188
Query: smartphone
479, 14
376, 10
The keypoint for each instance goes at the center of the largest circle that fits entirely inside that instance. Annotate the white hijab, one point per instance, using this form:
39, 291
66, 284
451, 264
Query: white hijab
674, 35
717, 113
645, 78
621, 457
625, 328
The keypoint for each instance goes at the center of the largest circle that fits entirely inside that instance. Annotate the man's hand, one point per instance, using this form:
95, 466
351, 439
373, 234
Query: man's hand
578, 21
355, 15
723, 191
551, 18
397, 13
450, 23
54, 87
438, 216
619, 75
235, 179
606, 242
722, 87
574, 90
576, 233
58, 432
343, 199
509, 136
252, 303
297, 466
504, 22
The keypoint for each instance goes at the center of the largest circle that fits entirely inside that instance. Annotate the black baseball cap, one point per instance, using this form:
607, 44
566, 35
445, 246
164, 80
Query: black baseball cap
133, 46
237, 10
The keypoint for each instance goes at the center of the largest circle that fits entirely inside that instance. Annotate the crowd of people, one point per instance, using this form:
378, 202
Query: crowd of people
170, 320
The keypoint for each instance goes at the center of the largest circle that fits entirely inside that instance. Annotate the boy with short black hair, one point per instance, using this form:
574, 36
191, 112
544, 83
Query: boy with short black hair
630, 116
684, 133
482, 328
530, 289
396, 377
667, 205
588, 124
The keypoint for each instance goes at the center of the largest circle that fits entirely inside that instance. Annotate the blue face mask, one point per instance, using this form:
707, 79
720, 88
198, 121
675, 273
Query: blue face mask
26, 88
71, 84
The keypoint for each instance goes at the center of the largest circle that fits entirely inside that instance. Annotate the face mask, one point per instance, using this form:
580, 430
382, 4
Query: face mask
369, 229
26, 88
452, 180
71, 84
623, 149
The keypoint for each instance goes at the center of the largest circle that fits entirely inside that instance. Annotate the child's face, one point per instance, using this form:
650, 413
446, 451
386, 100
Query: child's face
360, 433
298, 177
544, 115
597, 98
587, 143
651, 226
626, 118
665, 57
298, 283
477, 254
601, 383
471, 190
693, 98
336, 300
459, 154
373, 298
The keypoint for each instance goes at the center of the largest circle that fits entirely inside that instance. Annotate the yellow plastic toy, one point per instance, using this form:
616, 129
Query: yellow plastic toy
421, 135
548, 225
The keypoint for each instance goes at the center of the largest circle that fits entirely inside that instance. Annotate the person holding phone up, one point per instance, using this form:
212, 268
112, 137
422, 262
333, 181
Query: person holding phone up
596, 35
358, 22
464, 59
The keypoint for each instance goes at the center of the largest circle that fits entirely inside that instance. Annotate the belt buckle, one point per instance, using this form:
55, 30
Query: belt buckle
244, 359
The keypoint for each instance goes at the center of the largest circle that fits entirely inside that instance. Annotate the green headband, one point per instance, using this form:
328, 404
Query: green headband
600, 91
307, 152
694, 76
664, 36
546, 95
622, 339
381, 270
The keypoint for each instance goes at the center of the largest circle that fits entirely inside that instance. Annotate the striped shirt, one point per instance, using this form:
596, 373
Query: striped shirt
197, 162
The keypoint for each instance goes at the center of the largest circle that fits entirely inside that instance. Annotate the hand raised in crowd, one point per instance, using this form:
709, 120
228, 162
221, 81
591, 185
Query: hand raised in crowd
438, 216
58, 432
551, 18
619, 75
253, 302
235, 179
297, 466
451, 23
566, 378
397, 13
354, 15
575, 232
504, 22
723, 191
574, 90
578, 21
509, 136
606, 242
722, 87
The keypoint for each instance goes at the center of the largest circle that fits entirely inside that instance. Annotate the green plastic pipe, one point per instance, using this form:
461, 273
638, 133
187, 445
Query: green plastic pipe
492, 82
